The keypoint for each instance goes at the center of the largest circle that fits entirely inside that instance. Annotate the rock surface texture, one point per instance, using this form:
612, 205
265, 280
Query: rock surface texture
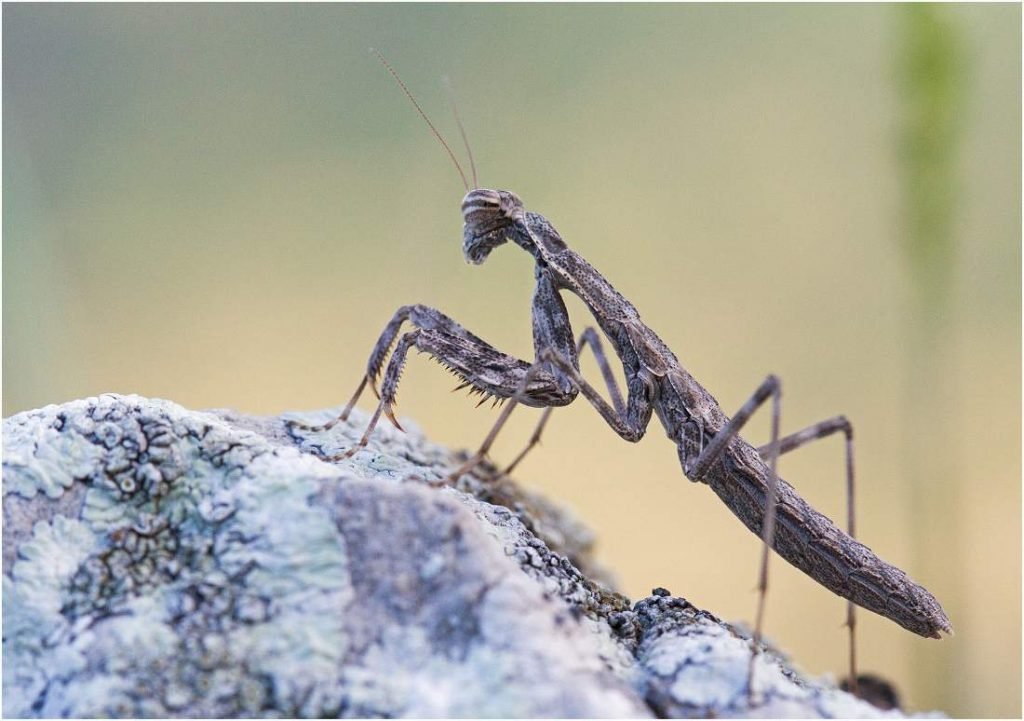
166, 562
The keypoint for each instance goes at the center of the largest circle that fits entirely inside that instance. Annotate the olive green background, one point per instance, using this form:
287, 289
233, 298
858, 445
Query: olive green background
223, 205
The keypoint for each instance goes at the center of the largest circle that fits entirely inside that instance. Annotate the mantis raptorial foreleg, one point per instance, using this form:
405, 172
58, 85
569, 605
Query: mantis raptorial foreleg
479, 364
420, 316
487, 369
552, 333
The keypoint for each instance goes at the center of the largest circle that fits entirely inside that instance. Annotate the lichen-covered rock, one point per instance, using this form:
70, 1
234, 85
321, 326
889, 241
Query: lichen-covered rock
166, 562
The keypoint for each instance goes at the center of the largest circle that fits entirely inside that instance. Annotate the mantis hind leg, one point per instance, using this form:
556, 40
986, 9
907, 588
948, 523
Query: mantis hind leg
791, 443
771, 387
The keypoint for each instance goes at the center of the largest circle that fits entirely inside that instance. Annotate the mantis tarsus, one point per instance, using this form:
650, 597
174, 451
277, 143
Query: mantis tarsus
710, 449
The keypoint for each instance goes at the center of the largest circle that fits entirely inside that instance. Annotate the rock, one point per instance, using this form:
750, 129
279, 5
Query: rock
166, 562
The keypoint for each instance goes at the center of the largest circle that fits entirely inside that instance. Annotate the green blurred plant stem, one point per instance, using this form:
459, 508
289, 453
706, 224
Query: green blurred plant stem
930, 66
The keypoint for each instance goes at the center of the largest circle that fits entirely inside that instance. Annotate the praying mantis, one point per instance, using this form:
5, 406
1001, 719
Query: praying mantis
709, 447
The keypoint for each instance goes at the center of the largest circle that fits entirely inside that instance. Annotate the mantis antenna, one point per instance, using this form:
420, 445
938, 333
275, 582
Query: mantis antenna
462, 130
422, 114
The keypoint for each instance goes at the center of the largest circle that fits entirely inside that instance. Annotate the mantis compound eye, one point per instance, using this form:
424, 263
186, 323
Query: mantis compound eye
481, 203
483, 206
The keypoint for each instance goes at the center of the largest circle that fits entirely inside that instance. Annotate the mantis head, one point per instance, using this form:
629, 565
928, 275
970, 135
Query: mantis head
492, 217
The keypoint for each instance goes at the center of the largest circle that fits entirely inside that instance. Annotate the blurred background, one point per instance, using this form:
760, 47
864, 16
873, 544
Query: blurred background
222, 205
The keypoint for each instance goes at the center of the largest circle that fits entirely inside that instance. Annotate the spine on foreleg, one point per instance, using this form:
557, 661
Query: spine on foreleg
814, 544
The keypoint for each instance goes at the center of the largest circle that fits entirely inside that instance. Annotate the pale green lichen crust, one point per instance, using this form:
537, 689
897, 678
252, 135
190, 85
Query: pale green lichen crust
164, 562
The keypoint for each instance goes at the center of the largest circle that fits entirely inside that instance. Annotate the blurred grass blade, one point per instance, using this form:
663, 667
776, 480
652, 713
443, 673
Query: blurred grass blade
930, 72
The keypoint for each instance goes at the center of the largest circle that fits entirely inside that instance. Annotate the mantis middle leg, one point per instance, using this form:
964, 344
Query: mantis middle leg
588, 337
630, 421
